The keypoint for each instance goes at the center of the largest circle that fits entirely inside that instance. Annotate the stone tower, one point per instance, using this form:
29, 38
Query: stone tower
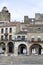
5, 15
26, 19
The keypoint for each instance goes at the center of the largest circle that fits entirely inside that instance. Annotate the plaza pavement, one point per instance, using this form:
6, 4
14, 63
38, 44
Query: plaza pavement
21, 60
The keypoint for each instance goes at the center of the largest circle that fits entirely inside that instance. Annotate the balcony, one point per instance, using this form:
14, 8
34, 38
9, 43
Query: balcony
20, 39
6, 34
37, 41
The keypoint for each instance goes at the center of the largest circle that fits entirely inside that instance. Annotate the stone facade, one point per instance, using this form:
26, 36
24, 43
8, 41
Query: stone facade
18, 38
4, 15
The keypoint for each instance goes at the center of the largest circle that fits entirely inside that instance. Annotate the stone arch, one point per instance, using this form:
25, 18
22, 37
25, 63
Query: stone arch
22, 49
10, 47
35, 49
2, 48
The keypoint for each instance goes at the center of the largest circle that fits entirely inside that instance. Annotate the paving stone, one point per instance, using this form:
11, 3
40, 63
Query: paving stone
19, 60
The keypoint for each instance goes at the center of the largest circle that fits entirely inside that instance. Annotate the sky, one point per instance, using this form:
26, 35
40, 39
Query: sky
21, 8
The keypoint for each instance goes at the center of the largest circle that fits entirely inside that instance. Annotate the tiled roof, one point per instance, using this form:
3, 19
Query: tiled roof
22, 32
34, 25
8, 24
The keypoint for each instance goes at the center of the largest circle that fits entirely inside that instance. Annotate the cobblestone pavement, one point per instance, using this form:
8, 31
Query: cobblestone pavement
20, 64
21, 60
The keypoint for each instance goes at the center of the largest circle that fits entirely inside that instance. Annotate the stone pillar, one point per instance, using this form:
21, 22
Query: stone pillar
41, 51
15, 51
6, 49
28, 51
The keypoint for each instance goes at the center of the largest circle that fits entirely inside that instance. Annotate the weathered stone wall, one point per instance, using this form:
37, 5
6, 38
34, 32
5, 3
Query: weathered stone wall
4, 15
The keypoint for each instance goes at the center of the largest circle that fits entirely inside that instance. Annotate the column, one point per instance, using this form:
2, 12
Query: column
28, 50
42, 51
6, 49
15, 51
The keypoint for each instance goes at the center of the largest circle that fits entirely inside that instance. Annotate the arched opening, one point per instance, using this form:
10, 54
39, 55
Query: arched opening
22, 49
2, 48
35, 49
10, 47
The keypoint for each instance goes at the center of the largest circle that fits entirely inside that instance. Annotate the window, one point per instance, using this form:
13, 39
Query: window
38, 29
2, 37
2, 30
23, 38
39, 39
6, 30
10, 37
32, 39
10, 30
18, 36
6, 37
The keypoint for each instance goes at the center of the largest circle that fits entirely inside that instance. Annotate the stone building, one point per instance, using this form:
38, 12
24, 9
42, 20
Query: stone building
4, 15
24, 38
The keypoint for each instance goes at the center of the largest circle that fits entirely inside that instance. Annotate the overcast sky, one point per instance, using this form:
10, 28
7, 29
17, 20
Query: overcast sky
20, 8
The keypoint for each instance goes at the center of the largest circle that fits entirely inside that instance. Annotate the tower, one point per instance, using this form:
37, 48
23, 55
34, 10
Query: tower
4, 15
26, 19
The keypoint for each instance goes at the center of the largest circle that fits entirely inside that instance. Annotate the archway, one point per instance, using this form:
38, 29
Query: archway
35, 49
2, 48
10, 47
22, 49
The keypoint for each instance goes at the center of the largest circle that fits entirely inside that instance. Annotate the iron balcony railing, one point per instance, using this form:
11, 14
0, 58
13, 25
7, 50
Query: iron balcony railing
20, 39
25, 40
16, 39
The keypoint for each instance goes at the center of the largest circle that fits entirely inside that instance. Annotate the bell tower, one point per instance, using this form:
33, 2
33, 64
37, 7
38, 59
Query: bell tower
5, 15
